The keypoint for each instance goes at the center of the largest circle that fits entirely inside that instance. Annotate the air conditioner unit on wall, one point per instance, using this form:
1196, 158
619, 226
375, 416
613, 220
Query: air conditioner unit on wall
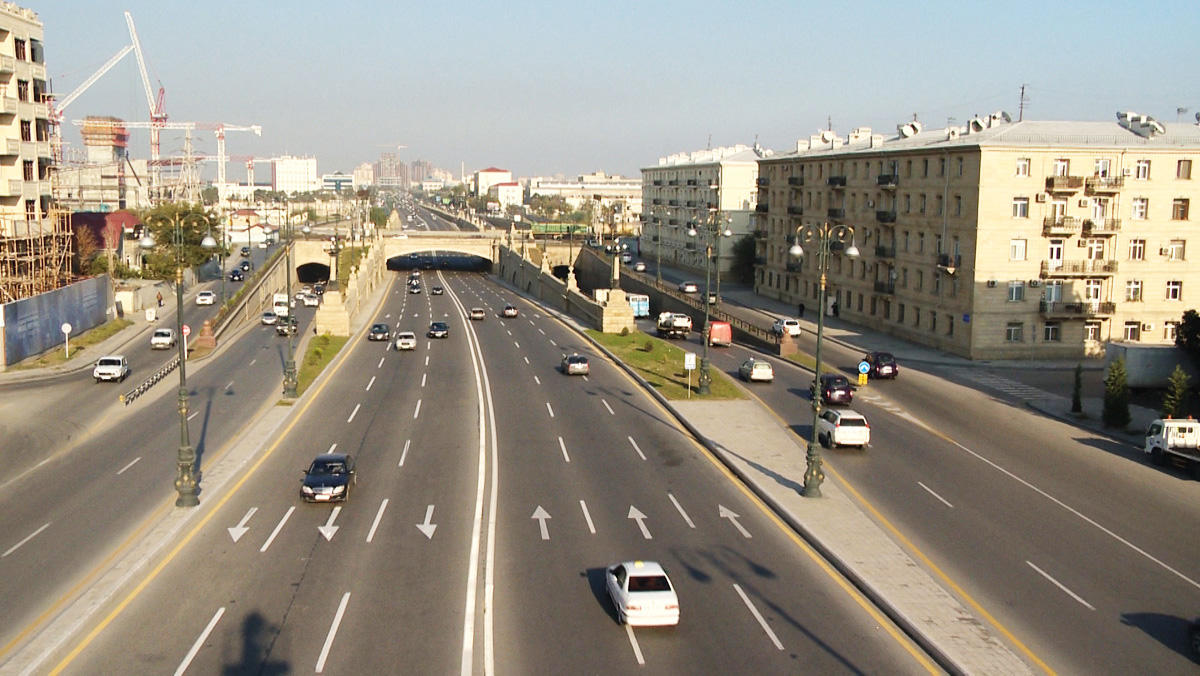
1147, 327
1035, 283
1126, 171
1082, 243
1040, 197
1083, 202
991, 283
1164, 251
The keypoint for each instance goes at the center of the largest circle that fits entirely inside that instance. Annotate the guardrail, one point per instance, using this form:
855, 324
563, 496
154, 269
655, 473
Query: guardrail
153, 380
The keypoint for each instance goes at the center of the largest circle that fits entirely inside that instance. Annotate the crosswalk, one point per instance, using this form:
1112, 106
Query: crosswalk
1005, 385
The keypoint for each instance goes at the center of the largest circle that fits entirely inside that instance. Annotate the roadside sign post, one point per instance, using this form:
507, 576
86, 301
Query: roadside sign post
66, 329
186, 331
689, 364
863, 369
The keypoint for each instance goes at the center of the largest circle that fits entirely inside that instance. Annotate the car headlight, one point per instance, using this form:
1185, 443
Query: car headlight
339, 489
307, 490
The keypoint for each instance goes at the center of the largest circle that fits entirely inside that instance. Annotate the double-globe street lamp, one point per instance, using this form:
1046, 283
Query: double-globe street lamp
712, 234
290, 380
658, 211
185, 476
827, 238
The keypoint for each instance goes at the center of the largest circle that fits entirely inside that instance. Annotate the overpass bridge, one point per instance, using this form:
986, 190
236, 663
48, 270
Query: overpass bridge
313, 261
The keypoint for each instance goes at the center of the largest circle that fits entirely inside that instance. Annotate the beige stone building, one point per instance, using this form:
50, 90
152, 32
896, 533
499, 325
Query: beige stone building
997, 240
695, 188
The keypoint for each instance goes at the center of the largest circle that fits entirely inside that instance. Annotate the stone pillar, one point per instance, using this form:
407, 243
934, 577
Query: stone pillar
206, 339
787, 346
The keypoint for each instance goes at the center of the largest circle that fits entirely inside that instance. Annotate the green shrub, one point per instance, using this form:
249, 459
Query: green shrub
648, 346
624, 331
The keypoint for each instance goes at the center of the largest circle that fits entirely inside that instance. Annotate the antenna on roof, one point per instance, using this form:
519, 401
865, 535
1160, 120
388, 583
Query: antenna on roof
709, 142
1021, 105
829, 123
1180, 112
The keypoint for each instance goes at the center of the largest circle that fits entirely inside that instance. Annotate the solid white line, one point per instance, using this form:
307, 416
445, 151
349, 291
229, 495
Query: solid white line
370, 383
193, 415
278, 527
375, 523
550, 409
191, 655
1060, 586
537, 380
354, 413
418, 411
635, 447
637, 650
43, 462
404, 455
564, 450
930, 490
27, 539
380, 365
587, 517
423, 377
337, 620
131, 464
610, 411
758, 616
681, 512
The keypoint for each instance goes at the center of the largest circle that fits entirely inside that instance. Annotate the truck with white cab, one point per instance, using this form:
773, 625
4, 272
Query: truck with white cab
1175, 441
673, 325
280, 304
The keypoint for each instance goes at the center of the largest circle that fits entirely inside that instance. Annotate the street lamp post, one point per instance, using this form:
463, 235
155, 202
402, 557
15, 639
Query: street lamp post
712, 232
290, 381
823, 236
185, 477
658, 223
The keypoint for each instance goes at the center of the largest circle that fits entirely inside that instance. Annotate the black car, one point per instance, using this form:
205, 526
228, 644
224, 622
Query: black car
319, 289
237, 276
245, 266
415, 288
328, 478
245, 252
379, 332
438, 330
881, 365
437, 290
286, 326
835, 389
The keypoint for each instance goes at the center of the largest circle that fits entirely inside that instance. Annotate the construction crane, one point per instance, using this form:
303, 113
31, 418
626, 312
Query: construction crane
158, 113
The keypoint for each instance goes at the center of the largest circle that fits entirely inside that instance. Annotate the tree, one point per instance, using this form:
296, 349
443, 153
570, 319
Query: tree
742, 266
161, 221
1116, 395
1077, 391
1176, 396
86, 247
1187, 335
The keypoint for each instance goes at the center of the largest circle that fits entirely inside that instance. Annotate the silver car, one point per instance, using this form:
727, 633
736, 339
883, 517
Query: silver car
753, 370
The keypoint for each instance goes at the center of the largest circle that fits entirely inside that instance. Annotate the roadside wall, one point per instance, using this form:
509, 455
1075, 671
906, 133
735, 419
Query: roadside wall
536, 280
33, 325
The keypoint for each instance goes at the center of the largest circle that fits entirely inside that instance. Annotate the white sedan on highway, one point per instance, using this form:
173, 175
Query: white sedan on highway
642, 594
206, 298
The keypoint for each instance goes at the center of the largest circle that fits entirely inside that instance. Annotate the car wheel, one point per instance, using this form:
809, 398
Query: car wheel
1194, 637
1196, 471
1157, 456
823, 439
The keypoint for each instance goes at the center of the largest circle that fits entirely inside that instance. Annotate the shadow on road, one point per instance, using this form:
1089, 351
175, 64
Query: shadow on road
258, 638
1169, 630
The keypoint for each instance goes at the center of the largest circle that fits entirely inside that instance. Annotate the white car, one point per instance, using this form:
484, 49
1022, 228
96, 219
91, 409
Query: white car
206, 298
112, 367
269, 318
753, 370
843, 427
311, 300
162, 339
405, 340
642, 594
786, 325
689, 287
639, 266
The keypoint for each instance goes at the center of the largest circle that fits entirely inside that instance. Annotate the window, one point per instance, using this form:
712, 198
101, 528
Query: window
960, 166
27, 169
1091, 331
26, 131
1095, 249
1092, 289
1016, 291
1137, 249
1175, 290
1102, 168
1016, 250
1052, 332
924, 168
922, 207
1054, 288
1020, 207
1183, 170
1179, 209
1012, 332
1022, 166
1062, 167
1176, 250
19, 49
1142, 170
906, 241
1141, 206
920, 242
1133, 331
1133, 291
938, 199
23, 90
907, 204
1170, 330
908, 169
920, 280
942, 167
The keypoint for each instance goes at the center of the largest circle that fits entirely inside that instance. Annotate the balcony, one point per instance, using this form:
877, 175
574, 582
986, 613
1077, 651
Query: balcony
12, 146
887, 181
658, 182
837, 212
795, 210
691, 203
1087, 309
761, 208
654, 238
657, 202
1101, 227
762, 182
795, 266
1063, 183
1078, 268
760, 234
673, 203
760, 260
949, 262
673, 221
836, 181
9, 106
690, 246
885, 251
796, 181
673, 181
8, 65
691, 181
886, 287
1060, 225
1104, 184
884, 216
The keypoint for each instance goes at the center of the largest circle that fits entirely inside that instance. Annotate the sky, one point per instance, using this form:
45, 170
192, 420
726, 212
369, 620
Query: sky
557, 87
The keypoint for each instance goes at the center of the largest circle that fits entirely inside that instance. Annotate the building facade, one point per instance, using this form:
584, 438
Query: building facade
24, 125
996, 240
364, 175
699, 189
617, 195
484, 179
295, 174
337, 182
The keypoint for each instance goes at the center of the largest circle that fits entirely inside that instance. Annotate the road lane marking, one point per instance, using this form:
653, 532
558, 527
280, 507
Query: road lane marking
517, 344
370, 383
564, 450
193, 415
610, 411
428, 527
229, 386
380, 364
191, 654
553, 343
131, 464
727, 513
427, 360
537, 380
375, 524
587, 517
509, 332
550, 409
239, 530
278, 527
423, 377
1061, 586
758, 616
354, 413
930, 491
329, 530
636, 515
253, 360
47, 460
682, 513
526, 360
635, 447
27, 539
337, 620
331, 447
407, 443
541, 332
417, 412
637, 650
541, 515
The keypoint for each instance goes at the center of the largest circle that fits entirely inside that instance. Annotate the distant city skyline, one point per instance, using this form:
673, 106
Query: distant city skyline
545, 88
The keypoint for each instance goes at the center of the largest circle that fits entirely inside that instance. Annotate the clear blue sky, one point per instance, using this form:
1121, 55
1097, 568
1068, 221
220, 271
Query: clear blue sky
546, 87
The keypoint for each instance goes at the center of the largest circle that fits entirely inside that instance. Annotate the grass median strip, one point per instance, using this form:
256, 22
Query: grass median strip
79, 344
660, 363
321, 351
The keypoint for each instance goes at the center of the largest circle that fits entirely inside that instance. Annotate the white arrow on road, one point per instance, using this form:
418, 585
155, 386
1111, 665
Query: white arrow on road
641, 521
239, 530
541, 515
427, 528
329, 529
727, 513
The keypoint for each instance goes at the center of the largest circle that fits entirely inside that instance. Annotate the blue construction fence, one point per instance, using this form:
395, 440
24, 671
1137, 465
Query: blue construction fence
33, 325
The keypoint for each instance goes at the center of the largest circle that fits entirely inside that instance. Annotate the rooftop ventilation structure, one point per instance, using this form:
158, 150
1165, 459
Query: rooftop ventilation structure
1142, 125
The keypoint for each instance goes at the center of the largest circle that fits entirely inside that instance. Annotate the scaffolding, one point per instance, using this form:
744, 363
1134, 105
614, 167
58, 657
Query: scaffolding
37, 258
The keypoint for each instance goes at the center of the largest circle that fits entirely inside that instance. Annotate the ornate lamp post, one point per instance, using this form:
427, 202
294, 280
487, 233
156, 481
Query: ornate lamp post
711, 234
827, 238
658, 223
290, 380
185, 477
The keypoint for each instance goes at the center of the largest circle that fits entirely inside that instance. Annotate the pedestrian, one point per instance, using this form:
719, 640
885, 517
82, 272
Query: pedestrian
835, 308
160, 298
802, 311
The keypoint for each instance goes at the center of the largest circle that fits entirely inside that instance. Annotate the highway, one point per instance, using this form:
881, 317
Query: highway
487, 480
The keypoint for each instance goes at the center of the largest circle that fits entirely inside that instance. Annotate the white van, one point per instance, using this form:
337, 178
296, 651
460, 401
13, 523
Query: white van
280, 304
1174, 440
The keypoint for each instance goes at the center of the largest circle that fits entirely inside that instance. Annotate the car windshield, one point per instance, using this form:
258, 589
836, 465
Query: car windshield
438, 326
649, 583
110, 362
406, 336
379, 327
327, 468
162, 333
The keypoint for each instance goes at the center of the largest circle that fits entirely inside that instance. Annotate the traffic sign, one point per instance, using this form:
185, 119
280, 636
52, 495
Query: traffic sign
66, 327
864, 368
187, 330
689, 361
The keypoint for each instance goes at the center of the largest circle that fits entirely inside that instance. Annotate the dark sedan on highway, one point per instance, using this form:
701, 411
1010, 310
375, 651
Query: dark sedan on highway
329, 478
379, 332
835, 389
438, 330
881, 365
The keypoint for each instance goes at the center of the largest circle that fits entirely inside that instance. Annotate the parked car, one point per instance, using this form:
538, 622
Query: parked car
438, 330
237, 276
162, 339
786, 325
477, 314
753, 370
111, 367
509, 311
689, 287
206, 298
881, 365
642, 594
379, 332
835, 389
843, 427
405, 340
329, 478
268, 318
575, 365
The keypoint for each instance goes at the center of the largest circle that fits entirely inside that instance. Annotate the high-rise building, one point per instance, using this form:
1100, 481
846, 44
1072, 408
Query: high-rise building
421, 170
364, 175
295, 174
996, 240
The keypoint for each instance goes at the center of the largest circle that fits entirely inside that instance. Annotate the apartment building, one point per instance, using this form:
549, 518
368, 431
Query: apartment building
996, 240
24, 124
294, 174
696, 189
617, 195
